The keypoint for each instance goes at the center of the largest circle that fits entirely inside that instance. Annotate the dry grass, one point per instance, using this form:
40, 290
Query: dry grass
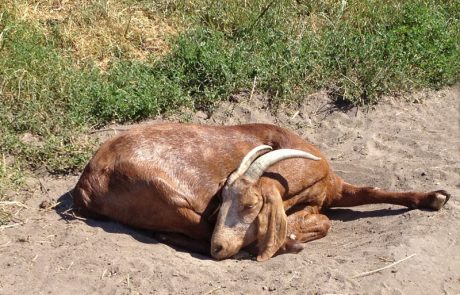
99, 30
10, 177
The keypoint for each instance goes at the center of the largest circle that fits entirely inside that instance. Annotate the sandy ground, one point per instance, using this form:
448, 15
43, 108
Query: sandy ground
399, 146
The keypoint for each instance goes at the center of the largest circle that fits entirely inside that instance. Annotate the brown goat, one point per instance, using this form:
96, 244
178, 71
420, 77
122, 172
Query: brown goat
171, 178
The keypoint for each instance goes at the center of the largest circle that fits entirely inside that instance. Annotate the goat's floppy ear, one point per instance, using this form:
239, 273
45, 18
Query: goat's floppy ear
272, 226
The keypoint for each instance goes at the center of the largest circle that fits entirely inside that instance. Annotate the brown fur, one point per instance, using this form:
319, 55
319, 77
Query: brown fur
168, 178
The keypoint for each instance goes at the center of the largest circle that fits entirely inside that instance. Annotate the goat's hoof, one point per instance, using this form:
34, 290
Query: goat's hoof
440, 198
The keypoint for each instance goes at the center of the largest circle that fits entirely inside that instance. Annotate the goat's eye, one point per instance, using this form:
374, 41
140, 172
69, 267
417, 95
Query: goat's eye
249, 206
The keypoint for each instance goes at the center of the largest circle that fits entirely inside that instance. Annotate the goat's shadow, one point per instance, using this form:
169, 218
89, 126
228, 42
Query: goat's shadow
345, 214
65, 211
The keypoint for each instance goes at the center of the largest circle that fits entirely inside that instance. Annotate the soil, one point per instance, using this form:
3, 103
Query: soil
402, 144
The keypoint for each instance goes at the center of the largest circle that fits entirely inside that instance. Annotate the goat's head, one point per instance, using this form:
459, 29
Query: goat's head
247, 214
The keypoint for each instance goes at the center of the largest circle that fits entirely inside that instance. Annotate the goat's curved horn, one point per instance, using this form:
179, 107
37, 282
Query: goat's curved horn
257, 168
247, 161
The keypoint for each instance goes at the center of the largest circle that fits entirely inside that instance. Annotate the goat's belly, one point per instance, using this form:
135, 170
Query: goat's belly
146, 208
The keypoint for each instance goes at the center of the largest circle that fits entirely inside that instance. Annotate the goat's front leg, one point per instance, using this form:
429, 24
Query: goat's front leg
304, 226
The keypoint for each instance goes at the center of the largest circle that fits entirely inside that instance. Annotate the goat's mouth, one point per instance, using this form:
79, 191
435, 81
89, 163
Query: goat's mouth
222, 250
219, 253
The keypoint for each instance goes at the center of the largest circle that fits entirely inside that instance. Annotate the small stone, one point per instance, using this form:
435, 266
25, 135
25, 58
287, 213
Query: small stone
23, 240
263, 287
271, 289
44, 204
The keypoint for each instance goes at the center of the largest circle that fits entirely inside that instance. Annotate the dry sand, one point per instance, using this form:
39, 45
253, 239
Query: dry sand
398, 146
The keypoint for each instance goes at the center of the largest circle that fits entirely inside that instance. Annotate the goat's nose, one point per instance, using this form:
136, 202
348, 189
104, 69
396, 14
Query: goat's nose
216, 249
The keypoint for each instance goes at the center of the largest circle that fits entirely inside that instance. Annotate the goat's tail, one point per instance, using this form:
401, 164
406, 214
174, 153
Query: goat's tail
354, 196
82, 204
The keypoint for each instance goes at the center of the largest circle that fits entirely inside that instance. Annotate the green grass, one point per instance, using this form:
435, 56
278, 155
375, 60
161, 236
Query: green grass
359, 52
50, 96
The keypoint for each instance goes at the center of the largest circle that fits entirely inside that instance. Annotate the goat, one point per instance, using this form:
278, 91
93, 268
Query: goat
174, 178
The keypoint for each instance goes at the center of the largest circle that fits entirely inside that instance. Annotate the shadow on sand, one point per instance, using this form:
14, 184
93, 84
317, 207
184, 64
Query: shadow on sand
343, 214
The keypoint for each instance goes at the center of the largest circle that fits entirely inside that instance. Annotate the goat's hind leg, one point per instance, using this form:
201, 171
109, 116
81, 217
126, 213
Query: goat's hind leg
354, 196
304, 226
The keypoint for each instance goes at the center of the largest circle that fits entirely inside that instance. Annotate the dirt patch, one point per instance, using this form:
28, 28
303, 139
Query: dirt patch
398, 145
